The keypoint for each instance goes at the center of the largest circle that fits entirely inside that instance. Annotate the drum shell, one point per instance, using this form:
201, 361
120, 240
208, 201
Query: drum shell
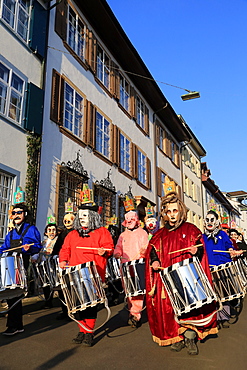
12, 276
133, 277
113, 269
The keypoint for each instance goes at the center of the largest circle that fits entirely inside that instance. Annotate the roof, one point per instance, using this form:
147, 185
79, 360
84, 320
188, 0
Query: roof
106, 25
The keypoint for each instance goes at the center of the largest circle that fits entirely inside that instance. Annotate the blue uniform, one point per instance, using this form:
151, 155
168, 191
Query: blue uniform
223, 243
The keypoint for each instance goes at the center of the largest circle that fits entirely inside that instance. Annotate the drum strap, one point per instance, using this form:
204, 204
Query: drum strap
18, 242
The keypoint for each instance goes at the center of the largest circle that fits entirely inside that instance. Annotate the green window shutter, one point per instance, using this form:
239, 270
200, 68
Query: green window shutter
34, 109
38, 29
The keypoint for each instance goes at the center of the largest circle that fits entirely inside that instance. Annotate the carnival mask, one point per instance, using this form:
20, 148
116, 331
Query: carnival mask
51, 232
172, 212
83, 217
68, 221
151, 223
18, 216
211, 222
131, 220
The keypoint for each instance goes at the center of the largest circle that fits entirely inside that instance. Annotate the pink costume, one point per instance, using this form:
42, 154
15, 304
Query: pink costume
131, 245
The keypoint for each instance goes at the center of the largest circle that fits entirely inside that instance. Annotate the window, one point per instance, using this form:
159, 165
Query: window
11, 94
75, 34
142, 168
140, 113
107, 200
102, 135
73, 110
124, 153
6, 185
163, 179
16, 13
103, 67
124, 92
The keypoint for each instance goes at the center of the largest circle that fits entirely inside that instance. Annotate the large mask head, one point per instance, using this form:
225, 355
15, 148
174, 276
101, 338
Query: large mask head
68, 220
211, 221
233, 233
19, 214
84, 217
173, 210
51, 231
151, 224
131, 220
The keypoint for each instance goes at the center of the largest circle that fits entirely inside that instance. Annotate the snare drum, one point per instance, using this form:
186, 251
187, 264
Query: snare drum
187, 285
242, 270
133, 277
82, 287
12, 276
113, 270
227, 283
55, 270
42, 274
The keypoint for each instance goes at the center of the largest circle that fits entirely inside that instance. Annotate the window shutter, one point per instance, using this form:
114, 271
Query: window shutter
38, 29
61, 19
159, 184
157, 131
115, 147
179, 191
114, 85
89, 133
148, 173
91, 54
177, 161
132, 102
134, 162
167, 145
146, 122
34, 109
57, 98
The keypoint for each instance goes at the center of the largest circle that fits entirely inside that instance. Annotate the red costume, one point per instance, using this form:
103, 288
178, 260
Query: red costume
164, 328
97, 238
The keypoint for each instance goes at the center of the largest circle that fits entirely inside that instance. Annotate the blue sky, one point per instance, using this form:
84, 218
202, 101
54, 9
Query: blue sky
199, 45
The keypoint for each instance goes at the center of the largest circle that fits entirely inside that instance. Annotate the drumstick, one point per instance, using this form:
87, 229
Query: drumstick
184, 249
93, 248
215, 250
7, 250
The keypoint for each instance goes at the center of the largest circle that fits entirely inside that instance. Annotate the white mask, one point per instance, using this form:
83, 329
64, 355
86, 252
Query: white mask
83, 217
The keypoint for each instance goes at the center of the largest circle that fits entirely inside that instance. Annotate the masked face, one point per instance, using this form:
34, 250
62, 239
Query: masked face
211, 222
18, 216
83, 217
172, 213
131, 220
234, 235
151, 223
68, 221
51, 232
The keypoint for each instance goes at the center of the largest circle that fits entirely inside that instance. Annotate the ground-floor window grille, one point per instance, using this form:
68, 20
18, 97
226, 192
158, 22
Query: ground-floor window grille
6, 190
107, 200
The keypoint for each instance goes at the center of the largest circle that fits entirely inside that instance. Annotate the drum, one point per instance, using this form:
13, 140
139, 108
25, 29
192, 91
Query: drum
82, 287
13, 281
55, 271
242, 270
227, 282
133, 277
113, 270
187, 285
42, 274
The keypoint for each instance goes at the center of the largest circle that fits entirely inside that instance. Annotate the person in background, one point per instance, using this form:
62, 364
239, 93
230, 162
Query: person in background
24, 238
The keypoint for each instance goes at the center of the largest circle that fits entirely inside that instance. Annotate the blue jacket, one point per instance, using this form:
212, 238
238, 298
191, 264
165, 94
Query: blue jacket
31, 236
223, 243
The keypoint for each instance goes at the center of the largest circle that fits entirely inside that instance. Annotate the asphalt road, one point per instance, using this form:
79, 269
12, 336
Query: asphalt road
46, 344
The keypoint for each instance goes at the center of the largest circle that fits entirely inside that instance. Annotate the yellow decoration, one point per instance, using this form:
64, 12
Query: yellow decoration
129, 204
169, 185
86, 195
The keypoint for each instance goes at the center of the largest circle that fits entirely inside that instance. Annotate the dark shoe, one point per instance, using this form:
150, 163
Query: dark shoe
133, 322
62, 316
12, 331
191, 347
177, 347
47, 306
79, 339
88, 340
225, 324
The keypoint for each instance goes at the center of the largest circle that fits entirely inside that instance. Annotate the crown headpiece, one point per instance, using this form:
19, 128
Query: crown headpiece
168, 185
69, 206
112, 220
19, 195
86, 195
149, 210
129, 204
51, 219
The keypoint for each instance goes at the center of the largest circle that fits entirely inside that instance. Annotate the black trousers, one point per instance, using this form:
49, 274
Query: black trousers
14, 319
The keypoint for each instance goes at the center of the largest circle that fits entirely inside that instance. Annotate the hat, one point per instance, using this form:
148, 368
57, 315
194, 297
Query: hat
89, 206
129, 204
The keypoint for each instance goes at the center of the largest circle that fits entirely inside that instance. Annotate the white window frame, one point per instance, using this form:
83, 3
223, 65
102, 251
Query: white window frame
125, 153
140, 112
102, 129
6, 193
124, 92
103, 67
17, 17
13, 97
76, 34
73, 110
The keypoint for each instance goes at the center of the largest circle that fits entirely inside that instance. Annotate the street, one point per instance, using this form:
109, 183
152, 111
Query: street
46, 344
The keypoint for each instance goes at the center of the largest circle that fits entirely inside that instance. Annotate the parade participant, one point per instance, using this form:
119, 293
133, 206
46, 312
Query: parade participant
151, 223
176, 235
24, 238
131, 245
80, 247
47, 247
68, 221
216, 240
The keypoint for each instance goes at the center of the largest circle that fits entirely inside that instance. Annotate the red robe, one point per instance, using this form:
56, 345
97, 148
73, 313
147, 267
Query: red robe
164, 328
97, 238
